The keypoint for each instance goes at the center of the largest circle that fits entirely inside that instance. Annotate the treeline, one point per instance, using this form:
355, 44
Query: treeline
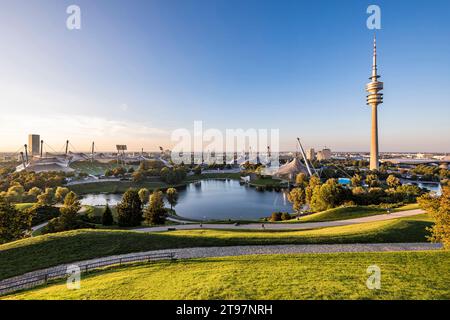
320, 196
154, 168
429, 173
30, 179
16, 224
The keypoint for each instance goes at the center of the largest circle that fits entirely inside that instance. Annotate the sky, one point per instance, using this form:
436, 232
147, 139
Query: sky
138, 70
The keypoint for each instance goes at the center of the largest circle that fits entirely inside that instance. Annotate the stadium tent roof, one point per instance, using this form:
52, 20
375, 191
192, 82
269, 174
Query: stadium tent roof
292, 168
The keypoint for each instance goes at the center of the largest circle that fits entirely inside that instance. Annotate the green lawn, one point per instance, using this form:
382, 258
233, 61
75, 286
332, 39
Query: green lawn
115, 186
24, 205
404, 275
233, 176
97, 168
263, 182
343, 213
52, 249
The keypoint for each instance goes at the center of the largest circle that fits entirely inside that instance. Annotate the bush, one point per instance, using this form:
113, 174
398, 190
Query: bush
107, 218
276, 216
285, 216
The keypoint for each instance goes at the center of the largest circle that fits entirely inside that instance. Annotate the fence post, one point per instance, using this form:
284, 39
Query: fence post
46, 278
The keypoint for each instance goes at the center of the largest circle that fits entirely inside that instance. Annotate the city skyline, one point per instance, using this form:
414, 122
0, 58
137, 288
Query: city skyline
134, 74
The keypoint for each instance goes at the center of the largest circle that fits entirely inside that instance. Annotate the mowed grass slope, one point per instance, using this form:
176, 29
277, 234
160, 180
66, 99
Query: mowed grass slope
343, 213
404, 275
49, 250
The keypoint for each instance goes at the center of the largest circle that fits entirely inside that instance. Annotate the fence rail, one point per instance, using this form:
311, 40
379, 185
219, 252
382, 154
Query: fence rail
19, 283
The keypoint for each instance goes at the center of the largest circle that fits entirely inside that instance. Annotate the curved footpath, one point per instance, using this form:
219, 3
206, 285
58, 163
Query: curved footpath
187, 225
208, 252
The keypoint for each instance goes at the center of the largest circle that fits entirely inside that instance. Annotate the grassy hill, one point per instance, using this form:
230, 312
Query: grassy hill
405, 275
343, 213
49, 250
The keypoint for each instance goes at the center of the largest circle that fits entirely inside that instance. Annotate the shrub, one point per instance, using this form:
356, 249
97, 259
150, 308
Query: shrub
285, 216
276, 216
42, 213
107, 218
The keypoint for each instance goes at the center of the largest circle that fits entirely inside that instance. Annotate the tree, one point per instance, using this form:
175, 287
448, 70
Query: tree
301, 180
129, 210
138, 176
107, 218
155, 213
285, 216
372, 180
314, 181
144, 193
356, 180
326, 196
172, 197
276, 216
69, 211
197, 170
14, 224
15, 193
392, 181
47, 198
297, 197
61, 193
33, 194
439, 209
108, 173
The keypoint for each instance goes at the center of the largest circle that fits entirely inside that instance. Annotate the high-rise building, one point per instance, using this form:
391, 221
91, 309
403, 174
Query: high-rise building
311, 154
374, 98
34, 144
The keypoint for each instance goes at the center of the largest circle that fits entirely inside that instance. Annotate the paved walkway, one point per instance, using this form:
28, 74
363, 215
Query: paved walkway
204, 252
186, 225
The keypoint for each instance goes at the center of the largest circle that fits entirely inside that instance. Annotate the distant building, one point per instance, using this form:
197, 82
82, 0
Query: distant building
34, 144
324, 154
311, 154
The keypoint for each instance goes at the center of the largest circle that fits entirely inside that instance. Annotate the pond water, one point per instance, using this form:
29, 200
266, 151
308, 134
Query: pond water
216, 199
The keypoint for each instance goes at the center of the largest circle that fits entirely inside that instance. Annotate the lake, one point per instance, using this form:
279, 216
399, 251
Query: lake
215, 199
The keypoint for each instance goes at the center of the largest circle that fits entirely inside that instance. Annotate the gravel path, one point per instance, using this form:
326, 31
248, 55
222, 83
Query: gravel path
203, 252
186, 225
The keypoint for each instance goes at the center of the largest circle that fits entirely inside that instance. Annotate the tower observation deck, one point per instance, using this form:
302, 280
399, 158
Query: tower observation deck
374, 98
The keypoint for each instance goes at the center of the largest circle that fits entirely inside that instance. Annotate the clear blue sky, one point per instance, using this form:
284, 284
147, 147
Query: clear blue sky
139, 69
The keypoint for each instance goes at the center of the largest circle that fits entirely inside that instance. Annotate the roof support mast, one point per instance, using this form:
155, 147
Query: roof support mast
304, 157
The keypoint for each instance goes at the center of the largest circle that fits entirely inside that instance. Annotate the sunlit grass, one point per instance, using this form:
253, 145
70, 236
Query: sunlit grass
52, 249
404, 275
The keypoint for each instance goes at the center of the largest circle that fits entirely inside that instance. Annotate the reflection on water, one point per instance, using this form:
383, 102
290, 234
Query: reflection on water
434, 187
220, 199
215, 199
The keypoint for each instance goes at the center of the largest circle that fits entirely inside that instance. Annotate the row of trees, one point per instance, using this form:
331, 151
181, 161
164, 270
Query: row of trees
137, 206
30, 179
16, 224
171, 175
49, 196
118, 172
430, 173
439, 209
322, 196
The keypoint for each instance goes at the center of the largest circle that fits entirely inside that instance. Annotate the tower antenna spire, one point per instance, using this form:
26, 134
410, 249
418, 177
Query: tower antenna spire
374, 62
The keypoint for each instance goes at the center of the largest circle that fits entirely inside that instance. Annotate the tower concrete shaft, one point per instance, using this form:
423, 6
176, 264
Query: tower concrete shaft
374, 98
